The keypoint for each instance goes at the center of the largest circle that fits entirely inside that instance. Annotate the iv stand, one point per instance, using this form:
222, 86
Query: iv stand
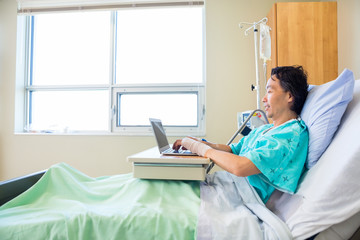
255, 27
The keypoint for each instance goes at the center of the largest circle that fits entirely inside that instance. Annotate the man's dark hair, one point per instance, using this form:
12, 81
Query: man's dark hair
293, 79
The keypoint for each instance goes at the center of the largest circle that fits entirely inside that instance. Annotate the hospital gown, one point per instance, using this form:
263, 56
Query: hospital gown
278, 153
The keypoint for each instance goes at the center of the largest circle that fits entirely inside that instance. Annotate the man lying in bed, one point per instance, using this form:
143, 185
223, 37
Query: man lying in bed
272, 155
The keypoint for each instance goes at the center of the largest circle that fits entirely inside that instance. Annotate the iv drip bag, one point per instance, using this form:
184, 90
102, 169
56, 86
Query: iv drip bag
265, 42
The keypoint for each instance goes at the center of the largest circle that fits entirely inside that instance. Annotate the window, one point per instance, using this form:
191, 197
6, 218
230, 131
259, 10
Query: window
110, 71
136, 105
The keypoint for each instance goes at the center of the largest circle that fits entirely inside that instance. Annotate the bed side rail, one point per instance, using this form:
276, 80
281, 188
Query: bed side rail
243, 129
10, 189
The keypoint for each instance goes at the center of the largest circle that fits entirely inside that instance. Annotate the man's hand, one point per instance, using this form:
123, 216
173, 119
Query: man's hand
177, 145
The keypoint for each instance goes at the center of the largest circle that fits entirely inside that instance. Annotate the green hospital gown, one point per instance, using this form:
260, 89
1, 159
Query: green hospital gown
278, 153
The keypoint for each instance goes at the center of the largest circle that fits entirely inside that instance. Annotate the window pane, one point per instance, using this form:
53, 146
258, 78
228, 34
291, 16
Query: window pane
69, 110
71, 48
159, 46
136, 109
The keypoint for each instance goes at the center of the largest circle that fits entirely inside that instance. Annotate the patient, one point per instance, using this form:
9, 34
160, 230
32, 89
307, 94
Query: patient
271, 156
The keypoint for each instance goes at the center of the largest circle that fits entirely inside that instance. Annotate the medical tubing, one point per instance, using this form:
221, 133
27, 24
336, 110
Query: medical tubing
243, 125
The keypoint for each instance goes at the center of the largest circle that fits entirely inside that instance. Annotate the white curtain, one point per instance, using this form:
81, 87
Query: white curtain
29, 7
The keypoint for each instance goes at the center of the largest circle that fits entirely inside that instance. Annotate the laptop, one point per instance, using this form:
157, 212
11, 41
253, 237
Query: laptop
162, 141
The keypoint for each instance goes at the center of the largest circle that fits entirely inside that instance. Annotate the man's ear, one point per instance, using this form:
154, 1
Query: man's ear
290, 98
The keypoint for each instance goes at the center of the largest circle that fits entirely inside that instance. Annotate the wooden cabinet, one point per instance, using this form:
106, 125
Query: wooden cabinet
305, 33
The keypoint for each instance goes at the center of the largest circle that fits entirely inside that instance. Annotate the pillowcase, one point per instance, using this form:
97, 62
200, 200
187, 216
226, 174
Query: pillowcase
323, 110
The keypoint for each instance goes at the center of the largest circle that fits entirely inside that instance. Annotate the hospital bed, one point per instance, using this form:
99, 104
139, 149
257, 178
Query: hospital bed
326, 204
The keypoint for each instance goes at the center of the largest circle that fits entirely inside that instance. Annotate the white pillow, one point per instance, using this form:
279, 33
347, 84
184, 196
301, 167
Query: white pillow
322, 113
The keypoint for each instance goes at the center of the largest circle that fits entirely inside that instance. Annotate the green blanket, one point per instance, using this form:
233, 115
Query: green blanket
66, 204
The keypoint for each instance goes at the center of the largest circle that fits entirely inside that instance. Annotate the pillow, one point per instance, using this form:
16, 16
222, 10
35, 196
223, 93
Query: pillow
322, 113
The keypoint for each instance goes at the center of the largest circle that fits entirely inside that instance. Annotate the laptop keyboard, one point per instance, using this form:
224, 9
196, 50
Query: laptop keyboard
170, 150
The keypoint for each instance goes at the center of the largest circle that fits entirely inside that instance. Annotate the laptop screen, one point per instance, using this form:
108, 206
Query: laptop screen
159, 133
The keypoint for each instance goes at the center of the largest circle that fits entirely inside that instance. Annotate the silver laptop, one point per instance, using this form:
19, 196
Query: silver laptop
162, 141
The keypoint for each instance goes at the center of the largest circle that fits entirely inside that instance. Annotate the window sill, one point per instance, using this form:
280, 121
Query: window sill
137, 134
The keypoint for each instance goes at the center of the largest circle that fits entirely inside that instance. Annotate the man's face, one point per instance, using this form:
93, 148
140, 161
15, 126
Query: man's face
276, 100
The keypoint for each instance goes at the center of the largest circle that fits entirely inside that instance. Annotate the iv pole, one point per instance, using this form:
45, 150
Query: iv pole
255, 27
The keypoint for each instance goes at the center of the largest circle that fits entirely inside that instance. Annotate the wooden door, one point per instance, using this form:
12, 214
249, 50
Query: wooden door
306, 34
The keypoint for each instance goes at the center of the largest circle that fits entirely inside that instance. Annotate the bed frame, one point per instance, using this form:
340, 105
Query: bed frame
12, 188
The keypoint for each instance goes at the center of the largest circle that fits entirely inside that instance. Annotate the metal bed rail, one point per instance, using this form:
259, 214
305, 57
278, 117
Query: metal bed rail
240, 130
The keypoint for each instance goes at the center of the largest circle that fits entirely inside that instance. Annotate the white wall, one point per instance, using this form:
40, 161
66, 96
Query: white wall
349, 36
230, 72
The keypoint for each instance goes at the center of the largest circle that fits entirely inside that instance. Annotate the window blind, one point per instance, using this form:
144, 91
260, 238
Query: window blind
30, 7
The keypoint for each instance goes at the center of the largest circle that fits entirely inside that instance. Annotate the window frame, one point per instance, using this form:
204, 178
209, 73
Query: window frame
199, 89
24, 88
